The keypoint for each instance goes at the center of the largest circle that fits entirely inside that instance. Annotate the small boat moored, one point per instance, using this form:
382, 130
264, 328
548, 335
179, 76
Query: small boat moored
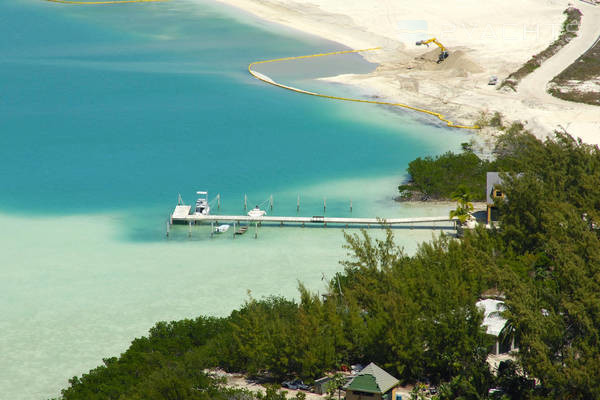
256, 212
202, 207
222, 228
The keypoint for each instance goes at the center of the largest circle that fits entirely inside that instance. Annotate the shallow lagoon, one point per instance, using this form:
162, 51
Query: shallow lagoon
107, 114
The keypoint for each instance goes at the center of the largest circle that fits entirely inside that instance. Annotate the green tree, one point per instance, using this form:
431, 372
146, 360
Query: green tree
464, 207
439, 177
272, 393
335, 385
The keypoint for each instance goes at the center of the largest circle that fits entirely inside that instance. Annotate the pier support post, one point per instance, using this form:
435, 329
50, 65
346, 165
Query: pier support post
303, 224
190, 229
255, 230
233, 230
271, 202
350, 205
245, 202
168, 227
298, 204
212, 229
218, 201
324, 205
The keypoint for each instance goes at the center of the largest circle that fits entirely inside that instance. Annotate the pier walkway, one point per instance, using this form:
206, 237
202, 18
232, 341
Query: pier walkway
181, 214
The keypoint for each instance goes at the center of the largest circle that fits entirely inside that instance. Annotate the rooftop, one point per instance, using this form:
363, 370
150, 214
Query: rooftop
372, 379
491, 317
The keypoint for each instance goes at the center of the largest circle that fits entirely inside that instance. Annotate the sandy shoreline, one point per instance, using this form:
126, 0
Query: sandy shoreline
484, 39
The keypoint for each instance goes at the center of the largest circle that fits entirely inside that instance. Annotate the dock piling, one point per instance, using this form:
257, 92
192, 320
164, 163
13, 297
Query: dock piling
218, 201
298, 204
271, 202
245, 202
212, 229
168, 227
324, 205
256, 230
190, 229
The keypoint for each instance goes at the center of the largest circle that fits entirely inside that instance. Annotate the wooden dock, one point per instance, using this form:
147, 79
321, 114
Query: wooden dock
182, 215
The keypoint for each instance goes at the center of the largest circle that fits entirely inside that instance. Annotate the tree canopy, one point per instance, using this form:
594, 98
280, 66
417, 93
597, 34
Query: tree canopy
439, 177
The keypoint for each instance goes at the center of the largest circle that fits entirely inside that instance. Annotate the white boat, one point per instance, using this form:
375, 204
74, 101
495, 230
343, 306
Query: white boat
202, 207
256, 212
222, 228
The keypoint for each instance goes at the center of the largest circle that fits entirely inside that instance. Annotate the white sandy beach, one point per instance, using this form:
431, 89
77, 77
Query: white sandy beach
484, 39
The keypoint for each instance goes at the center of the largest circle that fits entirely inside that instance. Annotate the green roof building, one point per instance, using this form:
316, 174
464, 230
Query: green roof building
372, 383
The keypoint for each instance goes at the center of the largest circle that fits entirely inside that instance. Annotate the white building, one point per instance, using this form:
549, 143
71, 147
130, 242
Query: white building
494, 324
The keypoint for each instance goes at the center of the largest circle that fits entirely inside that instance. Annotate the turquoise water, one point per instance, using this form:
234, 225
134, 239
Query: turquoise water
107, 113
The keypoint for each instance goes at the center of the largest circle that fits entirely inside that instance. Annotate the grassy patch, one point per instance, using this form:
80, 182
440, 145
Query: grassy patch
569, 30
585, 68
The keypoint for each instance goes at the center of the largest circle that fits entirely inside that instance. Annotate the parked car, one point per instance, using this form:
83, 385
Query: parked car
356, 368
296, 384
496, 393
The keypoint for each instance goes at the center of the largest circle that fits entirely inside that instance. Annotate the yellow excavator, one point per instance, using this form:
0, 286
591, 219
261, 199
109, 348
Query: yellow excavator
443, 55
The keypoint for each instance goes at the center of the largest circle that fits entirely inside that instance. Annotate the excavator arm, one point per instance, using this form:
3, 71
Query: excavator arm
443, 55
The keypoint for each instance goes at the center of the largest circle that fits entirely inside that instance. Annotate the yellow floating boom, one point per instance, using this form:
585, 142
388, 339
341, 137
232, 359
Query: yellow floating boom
268, 80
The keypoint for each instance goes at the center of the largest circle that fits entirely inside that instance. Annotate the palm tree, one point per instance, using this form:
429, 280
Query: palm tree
463, 198
462, 193
461, 213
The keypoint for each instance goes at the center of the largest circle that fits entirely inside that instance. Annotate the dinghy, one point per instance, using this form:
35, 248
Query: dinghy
222, 228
